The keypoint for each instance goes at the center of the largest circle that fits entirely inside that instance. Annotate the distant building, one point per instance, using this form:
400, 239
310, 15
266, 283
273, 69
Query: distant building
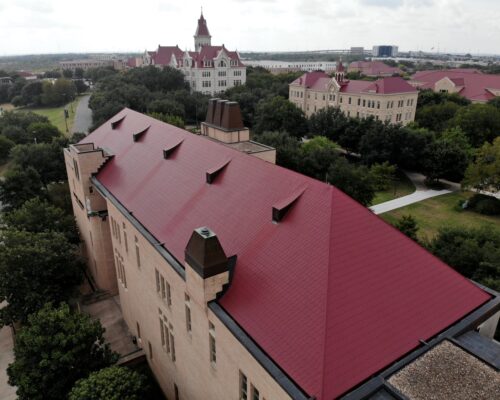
29, 76
385, 51
387, 99
357, 51
282, 67
376, 69
86, 64
209, 69
6, 80
469, 83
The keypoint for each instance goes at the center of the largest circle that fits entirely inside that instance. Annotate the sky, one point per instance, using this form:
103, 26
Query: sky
60, 26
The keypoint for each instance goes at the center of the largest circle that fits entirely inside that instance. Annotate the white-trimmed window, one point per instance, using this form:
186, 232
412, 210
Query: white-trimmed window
187, 306
137, 253
243, 386
212, 343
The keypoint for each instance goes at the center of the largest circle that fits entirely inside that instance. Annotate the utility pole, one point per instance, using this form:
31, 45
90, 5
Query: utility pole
66, 116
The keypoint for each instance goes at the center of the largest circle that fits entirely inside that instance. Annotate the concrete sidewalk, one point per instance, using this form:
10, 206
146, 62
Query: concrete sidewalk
421, 193
7, 392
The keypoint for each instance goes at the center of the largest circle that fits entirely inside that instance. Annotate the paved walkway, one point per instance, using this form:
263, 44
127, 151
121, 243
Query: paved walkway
421, 193
83, 116
7, 392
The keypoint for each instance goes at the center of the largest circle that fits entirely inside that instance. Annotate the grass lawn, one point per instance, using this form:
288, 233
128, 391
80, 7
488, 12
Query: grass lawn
402, 186
442, 211
56, 115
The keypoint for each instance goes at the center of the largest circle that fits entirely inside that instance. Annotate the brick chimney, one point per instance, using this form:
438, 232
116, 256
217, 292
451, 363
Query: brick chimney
207, 269
224, 122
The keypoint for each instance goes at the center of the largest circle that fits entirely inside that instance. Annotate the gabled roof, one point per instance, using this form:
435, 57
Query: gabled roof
374, 68
331, 293
476, 85
163, 55
390, 85
312, 80
202, 28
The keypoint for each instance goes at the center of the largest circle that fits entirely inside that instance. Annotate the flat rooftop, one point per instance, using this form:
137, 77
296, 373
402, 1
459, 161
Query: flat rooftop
447, 372
249, 147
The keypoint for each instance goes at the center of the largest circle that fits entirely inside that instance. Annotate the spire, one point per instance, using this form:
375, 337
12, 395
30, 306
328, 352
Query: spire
202, 36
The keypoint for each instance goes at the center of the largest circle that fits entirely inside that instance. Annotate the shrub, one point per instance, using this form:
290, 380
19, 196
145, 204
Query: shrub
483, 204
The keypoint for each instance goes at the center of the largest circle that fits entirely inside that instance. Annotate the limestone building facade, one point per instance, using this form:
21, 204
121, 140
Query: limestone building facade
208, 69
386, 99
223, 264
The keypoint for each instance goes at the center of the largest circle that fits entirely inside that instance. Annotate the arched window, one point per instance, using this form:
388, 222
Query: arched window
222, 63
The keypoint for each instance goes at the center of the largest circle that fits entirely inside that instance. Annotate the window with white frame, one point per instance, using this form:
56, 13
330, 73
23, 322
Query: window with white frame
187, 306
243, 386
212, 344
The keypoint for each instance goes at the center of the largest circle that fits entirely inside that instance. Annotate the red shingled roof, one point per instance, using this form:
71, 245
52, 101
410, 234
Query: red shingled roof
202, 28
163, 55
374, 68
476, 85
332, 293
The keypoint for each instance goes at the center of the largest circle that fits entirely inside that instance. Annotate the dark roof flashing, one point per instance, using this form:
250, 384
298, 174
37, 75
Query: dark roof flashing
116, 123
138, 136
205, 254
169, 151
213, 173
281, 209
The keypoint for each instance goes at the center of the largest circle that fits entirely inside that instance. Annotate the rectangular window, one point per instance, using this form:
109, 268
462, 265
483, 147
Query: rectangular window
254, 393
188, 312
168, 294
364, 103
350, 100
150, 348
138, 328
77, 172
137, 254
172, 343
243, 386
176, 391
125, 238
341, 99
157, 276
213, 348
162, 334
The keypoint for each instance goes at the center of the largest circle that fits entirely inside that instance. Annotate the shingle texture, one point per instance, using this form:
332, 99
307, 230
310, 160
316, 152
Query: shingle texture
332, 293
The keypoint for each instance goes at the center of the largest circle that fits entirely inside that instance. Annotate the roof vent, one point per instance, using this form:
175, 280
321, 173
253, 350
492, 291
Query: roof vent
137, 136
213, 173
281, 209
116, 123
168, 152
231, 117
211, 110
219, 111
205, 254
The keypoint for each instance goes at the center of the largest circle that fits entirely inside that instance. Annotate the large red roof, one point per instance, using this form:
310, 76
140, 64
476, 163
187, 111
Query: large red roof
374, 68
202, 28
332, 293
472, 83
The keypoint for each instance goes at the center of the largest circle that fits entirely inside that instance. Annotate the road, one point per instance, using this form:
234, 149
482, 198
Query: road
83, 116
421, 193
7, 392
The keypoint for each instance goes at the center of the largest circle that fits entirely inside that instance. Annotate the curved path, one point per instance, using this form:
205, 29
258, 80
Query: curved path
421, 193
83, 116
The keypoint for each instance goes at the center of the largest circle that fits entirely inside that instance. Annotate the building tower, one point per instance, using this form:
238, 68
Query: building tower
340, 72
202, 36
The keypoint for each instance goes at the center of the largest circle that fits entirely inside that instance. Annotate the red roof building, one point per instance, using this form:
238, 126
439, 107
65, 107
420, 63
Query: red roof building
208, 69
373, 69
469, 83
327, 291
388, 99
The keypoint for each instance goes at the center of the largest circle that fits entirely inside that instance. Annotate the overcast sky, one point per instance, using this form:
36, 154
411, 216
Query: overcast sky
57, 26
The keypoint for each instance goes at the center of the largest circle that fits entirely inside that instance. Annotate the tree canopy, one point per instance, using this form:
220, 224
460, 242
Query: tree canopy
54, 350
36, 268
484, 172
112, 383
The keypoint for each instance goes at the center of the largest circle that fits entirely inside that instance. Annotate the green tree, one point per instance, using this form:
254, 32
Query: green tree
169, 119
5, 146
167, 107
475, 253
38, 216
278, 114
32, 93
112, 383
443, 159
354, 181
495, 102
60, 92
67, 73
79, 73
80, 86
20, 119
36, 268
319, 142
57, 348
46, 158
18, 186
484, 172
480, 122
437, 117
382, 175
330, 122
43, 132
287, 147
408, 225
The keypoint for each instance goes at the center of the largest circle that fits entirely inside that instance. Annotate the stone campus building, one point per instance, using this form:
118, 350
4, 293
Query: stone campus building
386, 99
208, 69
244, 280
